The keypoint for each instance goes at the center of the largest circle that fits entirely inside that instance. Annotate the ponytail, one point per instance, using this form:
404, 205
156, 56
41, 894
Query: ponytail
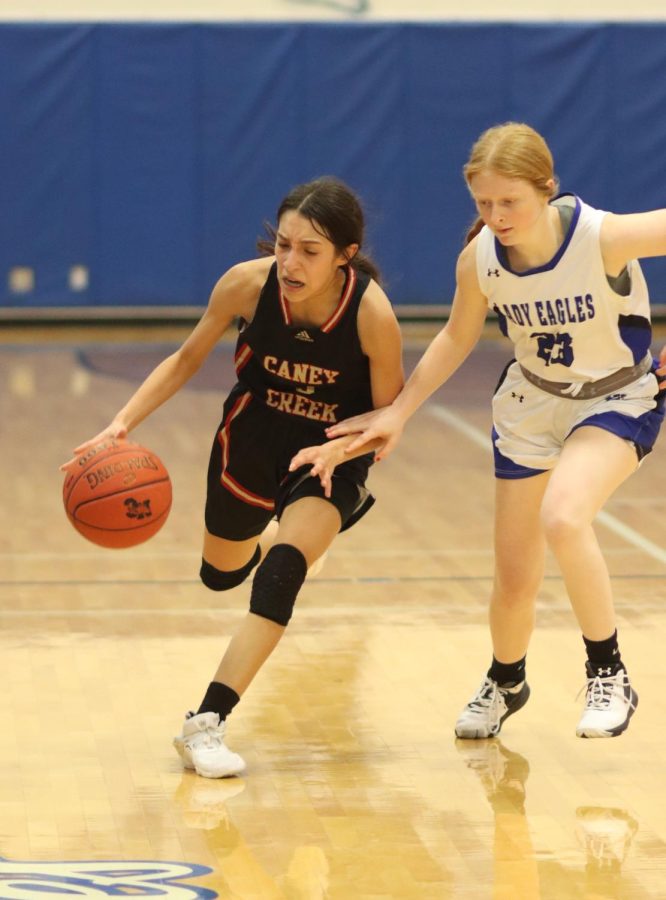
363, 263
473, 230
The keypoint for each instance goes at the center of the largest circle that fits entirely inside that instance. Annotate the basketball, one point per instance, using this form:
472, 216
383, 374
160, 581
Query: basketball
117, 494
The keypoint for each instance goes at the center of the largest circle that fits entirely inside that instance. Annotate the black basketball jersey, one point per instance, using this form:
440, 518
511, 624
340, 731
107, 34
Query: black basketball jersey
319, 374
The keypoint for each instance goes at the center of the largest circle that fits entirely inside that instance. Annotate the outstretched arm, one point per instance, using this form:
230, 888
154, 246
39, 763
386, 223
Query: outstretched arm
632, 236
445, 354
323, 458
234, 295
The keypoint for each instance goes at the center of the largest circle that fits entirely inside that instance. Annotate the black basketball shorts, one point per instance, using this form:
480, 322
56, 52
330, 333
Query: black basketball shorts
249, 481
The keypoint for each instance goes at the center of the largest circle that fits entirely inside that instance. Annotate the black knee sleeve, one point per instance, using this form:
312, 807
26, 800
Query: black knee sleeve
277, 582
217, 580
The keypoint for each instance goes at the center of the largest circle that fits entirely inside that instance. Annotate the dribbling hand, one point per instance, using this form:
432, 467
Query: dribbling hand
113, 431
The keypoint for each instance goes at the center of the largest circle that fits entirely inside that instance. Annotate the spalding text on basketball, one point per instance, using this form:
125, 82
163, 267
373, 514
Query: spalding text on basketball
128, 467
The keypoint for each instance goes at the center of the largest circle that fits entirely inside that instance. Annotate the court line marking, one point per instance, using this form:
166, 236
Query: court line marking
345, 613
336, 553
471, 609
482, 440
196, 554
350, 579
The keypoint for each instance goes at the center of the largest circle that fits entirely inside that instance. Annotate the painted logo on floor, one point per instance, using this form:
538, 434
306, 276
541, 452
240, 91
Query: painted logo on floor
101, 878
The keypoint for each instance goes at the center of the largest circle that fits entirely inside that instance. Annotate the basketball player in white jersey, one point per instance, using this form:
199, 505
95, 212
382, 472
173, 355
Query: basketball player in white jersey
574, 413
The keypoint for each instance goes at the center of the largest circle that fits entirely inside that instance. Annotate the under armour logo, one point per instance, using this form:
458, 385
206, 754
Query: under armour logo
303, 336
602, 671
494, 272
137, 509
518, 397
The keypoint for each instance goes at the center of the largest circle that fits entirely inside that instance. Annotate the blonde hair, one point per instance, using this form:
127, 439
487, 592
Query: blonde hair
514, 150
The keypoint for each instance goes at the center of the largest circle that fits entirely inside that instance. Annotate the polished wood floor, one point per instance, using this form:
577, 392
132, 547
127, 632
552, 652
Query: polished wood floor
356, 788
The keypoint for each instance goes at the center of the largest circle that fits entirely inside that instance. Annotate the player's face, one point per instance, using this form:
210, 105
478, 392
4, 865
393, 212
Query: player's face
308, 263
511, 207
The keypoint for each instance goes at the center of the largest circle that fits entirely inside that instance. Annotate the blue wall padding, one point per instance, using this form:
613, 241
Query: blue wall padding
153, 153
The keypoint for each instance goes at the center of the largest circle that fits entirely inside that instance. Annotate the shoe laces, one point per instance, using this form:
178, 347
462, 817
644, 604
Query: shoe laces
488, 697
600, 690
211, 736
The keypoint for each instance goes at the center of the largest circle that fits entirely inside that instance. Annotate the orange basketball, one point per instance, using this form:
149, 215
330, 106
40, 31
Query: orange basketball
117, 494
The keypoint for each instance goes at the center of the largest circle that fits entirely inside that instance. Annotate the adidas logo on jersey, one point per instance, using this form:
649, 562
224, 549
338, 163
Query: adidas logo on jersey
303, 336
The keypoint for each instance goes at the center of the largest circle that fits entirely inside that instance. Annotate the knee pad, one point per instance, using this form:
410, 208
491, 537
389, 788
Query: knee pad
277, 582
217, 580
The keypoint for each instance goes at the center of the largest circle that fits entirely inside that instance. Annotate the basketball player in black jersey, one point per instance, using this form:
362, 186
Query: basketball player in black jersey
319, 342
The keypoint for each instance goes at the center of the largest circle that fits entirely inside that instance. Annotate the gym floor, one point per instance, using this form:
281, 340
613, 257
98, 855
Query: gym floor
356, 788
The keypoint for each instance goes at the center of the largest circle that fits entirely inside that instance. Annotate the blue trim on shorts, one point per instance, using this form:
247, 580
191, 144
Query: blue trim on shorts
507, 468
641, 431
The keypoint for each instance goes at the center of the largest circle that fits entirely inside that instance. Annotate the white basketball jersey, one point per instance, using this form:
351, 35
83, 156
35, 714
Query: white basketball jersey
565, 320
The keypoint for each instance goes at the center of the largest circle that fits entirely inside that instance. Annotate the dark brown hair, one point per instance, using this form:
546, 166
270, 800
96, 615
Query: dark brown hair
334, 211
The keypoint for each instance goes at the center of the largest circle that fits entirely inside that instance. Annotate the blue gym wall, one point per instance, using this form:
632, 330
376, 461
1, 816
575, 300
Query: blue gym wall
153, 153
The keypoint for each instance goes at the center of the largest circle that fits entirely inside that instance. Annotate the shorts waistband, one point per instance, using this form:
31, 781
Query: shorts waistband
588, 390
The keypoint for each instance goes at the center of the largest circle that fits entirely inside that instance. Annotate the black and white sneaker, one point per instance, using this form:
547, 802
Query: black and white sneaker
489, 707
610, 702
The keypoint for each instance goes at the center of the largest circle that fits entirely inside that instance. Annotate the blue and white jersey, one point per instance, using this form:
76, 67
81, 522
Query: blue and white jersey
566, 322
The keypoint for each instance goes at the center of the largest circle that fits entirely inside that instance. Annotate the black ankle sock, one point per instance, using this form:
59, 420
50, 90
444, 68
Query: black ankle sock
604, 654
220, 699
507, 673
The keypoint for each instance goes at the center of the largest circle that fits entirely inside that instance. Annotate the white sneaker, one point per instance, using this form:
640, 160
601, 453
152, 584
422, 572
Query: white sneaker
202, 748
610, 702
489, 707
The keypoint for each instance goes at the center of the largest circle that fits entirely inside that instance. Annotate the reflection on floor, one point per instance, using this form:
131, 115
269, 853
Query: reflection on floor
356, 786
